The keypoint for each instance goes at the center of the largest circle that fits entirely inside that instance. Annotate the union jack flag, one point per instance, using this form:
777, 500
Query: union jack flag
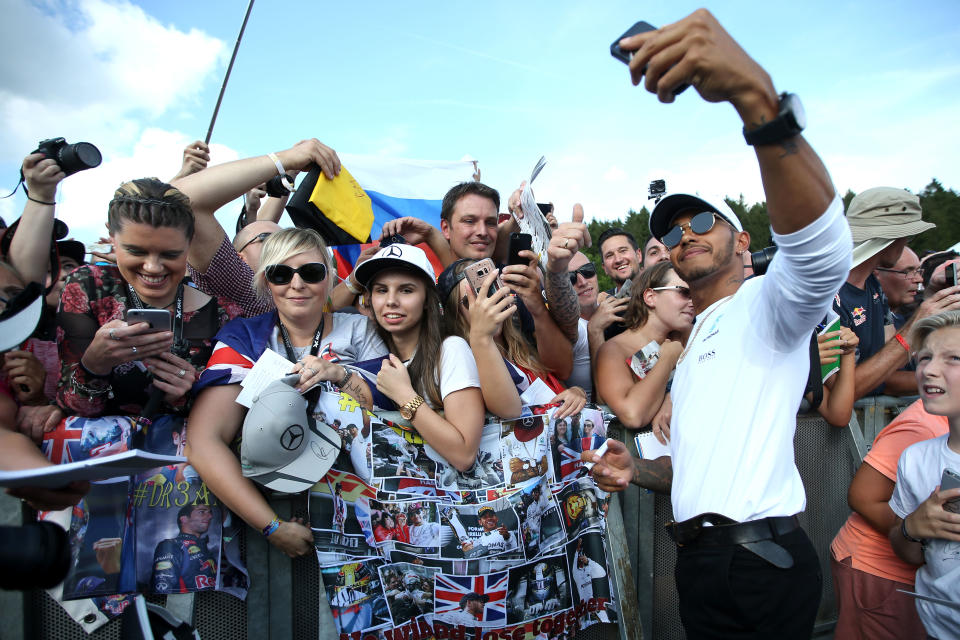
449, 590
226, 366
570, 463
63, 443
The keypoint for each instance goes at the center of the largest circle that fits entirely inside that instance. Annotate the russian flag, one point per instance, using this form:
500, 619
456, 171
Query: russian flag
400, 187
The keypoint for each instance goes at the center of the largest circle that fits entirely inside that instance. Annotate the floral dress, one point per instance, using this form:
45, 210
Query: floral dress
93, 296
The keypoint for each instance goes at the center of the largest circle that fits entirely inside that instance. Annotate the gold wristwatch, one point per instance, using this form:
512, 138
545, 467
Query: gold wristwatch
410, 409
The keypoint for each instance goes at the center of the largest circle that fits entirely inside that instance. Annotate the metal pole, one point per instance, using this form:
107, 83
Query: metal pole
226, 78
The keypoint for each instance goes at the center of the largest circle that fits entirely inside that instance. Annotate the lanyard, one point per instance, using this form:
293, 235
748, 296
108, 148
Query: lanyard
312, 396
288, 346
177, 313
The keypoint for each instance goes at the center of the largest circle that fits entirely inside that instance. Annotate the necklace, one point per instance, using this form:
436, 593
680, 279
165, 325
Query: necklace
700, 324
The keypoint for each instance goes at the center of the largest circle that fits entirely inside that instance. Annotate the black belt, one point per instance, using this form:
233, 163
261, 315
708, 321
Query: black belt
756, 536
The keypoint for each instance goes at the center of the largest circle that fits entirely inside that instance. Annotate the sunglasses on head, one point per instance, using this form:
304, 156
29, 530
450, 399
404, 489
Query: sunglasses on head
699, 224
587, 271
311, 273
260, 237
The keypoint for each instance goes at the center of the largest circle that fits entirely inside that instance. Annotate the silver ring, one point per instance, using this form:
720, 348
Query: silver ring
566, 241
181, 373
113, 334
133, 349
314, 371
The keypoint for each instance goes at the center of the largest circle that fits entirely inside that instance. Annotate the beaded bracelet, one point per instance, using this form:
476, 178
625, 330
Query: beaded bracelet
271, 527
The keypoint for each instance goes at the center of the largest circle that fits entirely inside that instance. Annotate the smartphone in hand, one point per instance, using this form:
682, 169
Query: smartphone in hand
479, 270
950, 480
625, 56
518, 242
158, 319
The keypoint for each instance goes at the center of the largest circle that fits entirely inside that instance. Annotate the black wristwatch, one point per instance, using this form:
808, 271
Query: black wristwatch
790, 120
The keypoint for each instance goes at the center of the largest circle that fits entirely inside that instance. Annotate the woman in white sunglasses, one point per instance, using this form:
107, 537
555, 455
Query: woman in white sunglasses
633, 368
296, 270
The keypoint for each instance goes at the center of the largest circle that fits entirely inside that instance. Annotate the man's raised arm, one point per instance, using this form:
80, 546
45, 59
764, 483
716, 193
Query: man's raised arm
698, 51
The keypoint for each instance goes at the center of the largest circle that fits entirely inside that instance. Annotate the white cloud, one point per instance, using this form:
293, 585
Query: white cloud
94, 70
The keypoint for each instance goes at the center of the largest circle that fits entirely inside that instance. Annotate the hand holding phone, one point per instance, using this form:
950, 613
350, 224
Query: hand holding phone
950, 480
476, 273
950, 272
625, 56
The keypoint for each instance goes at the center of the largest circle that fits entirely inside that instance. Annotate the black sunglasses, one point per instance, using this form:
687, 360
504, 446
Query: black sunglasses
699, 224
311, 273
260, 237
587, 271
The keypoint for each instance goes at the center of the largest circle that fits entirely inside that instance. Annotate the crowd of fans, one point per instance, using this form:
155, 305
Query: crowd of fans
396, 335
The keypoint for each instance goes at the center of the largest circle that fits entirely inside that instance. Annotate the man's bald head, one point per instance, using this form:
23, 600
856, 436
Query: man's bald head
249, 241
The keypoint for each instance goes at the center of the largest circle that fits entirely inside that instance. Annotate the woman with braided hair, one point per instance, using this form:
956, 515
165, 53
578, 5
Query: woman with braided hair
109, 365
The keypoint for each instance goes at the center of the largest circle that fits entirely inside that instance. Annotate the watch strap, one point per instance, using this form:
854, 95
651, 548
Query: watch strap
410, 408
782, 127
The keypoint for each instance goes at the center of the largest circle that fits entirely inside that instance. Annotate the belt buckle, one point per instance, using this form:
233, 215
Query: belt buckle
671, 528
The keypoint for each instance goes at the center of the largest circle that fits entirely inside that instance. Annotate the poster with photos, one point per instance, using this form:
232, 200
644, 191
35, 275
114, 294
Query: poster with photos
338, 506
493, 547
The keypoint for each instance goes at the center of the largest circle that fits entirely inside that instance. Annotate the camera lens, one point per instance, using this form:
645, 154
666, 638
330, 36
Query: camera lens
77, 157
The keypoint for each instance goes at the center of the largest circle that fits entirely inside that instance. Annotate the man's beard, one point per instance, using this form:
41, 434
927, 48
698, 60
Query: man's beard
691, 274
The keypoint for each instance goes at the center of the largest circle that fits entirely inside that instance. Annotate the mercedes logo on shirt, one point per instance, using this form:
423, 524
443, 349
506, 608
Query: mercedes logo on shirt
292, 437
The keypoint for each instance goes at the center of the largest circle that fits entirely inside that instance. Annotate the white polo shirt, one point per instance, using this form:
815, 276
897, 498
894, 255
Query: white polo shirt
738, 387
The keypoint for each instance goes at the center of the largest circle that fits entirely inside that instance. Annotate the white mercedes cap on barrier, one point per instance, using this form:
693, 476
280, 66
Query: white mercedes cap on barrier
282, 447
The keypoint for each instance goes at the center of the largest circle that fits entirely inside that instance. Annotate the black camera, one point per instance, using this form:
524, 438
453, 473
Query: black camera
33, 556
657, 189
71, 157
761, 260
275, 187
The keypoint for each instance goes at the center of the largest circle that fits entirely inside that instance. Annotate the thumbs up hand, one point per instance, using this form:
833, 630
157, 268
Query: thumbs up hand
566, 241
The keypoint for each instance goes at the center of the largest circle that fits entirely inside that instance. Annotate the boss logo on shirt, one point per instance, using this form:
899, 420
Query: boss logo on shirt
709, 355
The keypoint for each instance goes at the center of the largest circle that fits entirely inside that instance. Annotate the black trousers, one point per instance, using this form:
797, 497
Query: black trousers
728, 592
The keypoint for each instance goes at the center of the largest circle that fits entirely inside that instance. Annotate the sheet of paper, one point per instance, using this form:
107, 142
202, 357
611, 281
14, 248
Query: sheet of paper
649, 447
537, 393
119, 464
533, 220
269, 367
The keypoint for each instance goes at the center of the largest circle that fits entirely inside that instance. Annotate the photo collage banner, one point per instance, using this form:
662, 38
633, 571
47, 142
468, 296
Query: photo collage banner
410, 548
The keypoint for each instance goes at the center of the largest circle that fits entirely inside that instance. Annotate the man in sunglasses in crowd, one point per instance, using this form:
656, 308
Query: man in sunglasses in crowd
744, 566
583, 277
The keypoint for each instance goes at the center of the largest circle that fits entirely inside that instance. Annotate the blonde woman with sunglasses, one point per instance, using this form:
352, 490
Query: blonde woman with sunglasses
659, 317
296, 271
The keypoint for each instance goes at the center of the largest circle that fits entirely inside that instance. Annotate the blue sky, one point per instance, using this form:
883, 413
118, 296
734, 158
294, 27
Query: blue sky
501, 82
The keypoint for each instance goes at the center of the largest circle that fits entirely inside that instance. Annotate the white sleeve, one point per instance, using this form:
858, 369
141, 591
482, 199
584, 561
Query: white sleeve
810, 267
458, 369
903, 502
595, 570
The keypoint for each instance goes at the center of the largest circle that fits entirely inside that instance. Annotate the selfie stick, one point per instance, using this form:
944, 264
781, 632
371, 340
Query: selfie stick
226, 78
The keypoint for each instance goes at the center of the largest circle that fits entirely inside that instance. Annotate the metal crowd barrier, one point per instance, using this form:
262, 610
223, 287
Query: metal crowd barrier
285, 596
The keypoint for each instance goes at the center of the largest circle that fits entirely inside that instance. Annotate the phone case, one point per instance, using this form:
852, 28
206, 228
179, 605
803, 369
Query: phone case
518, 242
950, 480
158, 319
476, 272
